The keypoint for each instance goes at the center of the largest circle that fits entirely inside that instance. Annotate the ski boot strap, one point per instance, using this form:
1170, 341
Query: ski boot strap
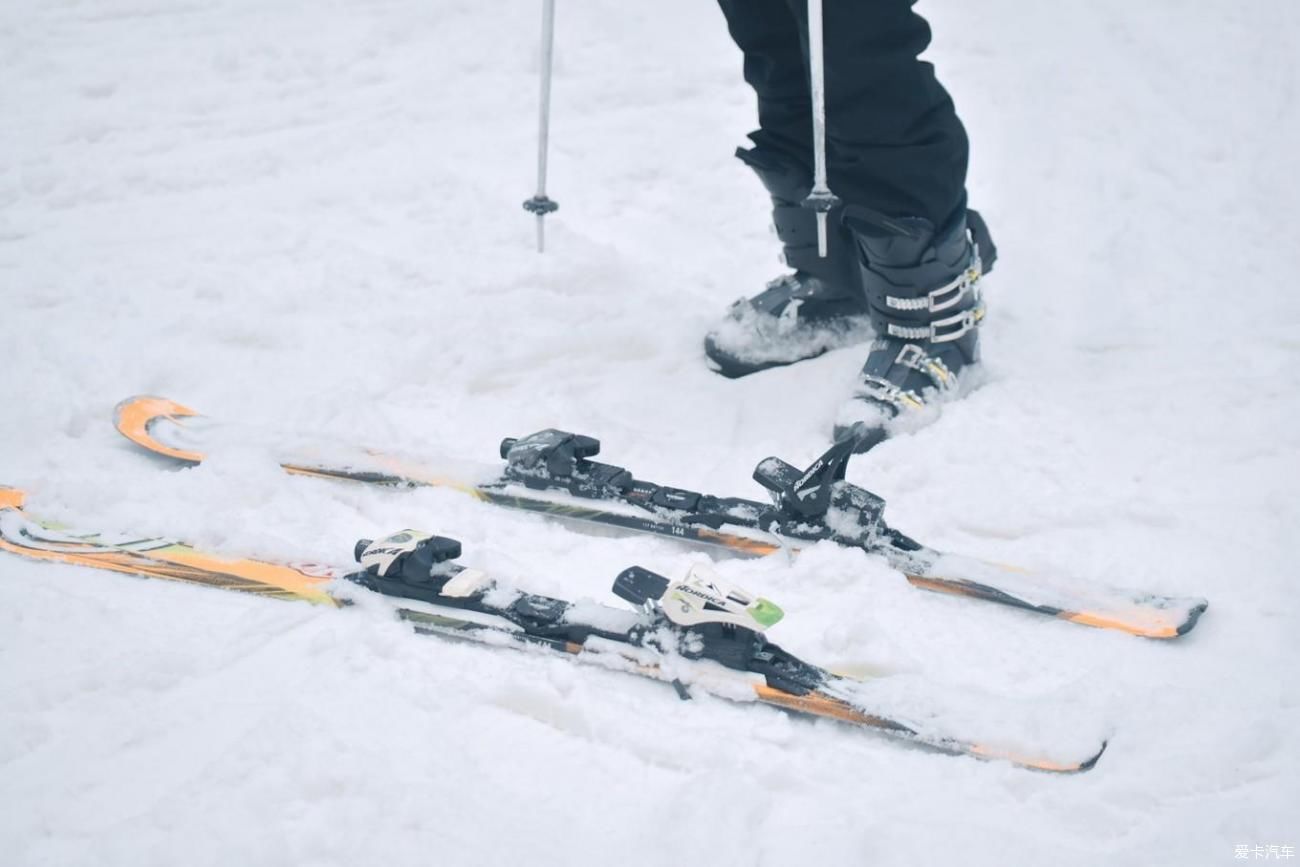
943, 330
922, 282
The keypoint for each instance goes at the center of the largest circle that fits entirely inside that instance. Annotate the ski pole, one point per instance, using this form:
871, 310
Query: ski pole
820, 198
540, 204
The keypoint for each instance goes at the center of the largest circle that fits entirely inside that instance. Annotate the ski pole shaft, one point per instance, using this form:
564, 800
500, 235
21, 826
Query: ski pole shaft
540, 204
820, 198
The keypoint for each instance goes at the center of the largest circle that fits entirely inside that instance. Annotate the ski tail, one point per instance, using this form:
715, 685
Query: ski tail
718, 636
821, 704
153, 557
816, 704
1143, 615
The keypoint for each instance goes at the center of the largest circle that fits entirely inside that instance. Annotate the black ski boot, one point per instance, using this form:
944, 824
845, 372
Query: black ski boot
801, 315
922, 287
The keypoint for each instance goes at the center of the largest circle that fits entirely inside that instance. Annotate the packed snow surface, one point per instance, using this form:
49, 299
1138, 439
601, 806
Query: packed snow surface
307, 214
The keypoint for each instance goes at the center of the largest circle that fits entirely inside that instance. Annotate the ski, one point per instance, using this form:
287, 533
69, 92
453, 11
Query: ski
698, 634
551, 472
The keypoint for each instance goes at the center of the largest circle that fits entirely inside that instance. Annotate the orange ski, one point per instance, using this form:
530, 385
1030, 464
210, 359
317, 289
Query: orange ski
529, 622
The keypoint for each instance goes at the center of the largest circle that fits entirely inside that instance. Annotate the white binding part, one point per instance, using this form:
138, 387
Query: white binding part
382, 553
704, 597
467, 582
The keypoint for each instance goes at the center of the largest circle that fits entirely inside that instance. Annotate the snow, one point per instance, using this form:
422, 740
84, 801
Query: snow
602, 616
307, 215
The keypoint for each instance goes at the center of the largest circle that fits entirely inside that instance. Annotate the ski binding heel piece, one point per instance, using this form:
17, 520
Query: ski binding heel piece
808, 493
820, 495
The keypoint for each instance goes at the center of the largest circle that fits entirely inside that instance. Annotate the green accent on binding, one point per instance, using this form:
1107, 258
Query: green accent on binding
765, 613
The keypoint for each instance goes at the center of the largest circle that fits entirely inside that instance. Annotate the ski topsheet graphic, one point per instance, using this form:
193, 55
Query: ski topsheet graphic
153, 557
552, 472
700, 634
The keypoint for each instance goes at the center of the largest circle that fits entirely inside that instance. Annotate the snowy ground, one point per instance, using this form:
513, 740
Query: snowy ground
308, 213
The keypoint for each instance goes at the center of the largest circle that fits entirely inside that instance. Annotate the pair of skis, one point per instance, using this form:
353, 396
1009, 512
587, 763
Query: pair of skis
552, 472
700, 634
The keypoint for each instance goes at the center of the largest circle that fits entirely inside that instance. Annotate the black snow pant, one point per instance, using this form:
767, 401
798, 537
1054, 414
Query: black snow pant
893, 139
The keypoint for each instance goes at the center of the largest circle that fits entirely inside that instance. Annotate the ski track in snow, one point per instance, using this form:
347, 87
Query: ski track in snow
308, 214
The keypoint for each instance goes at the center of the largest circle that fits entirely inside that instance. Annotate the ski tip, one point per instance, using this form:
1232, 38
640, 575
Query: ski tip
11, 498
135, 416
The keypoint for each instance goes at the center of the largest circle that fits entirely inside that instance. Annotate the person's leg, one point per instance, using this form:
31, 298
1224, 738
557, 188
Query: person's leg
900, 250
894, 142
893, 139
821, 305
771, 37
897, 155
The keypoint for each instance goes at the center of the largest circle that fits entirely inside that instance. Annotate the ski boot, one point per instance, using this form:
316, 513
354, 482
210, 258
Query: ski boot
800, 315
922, 287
